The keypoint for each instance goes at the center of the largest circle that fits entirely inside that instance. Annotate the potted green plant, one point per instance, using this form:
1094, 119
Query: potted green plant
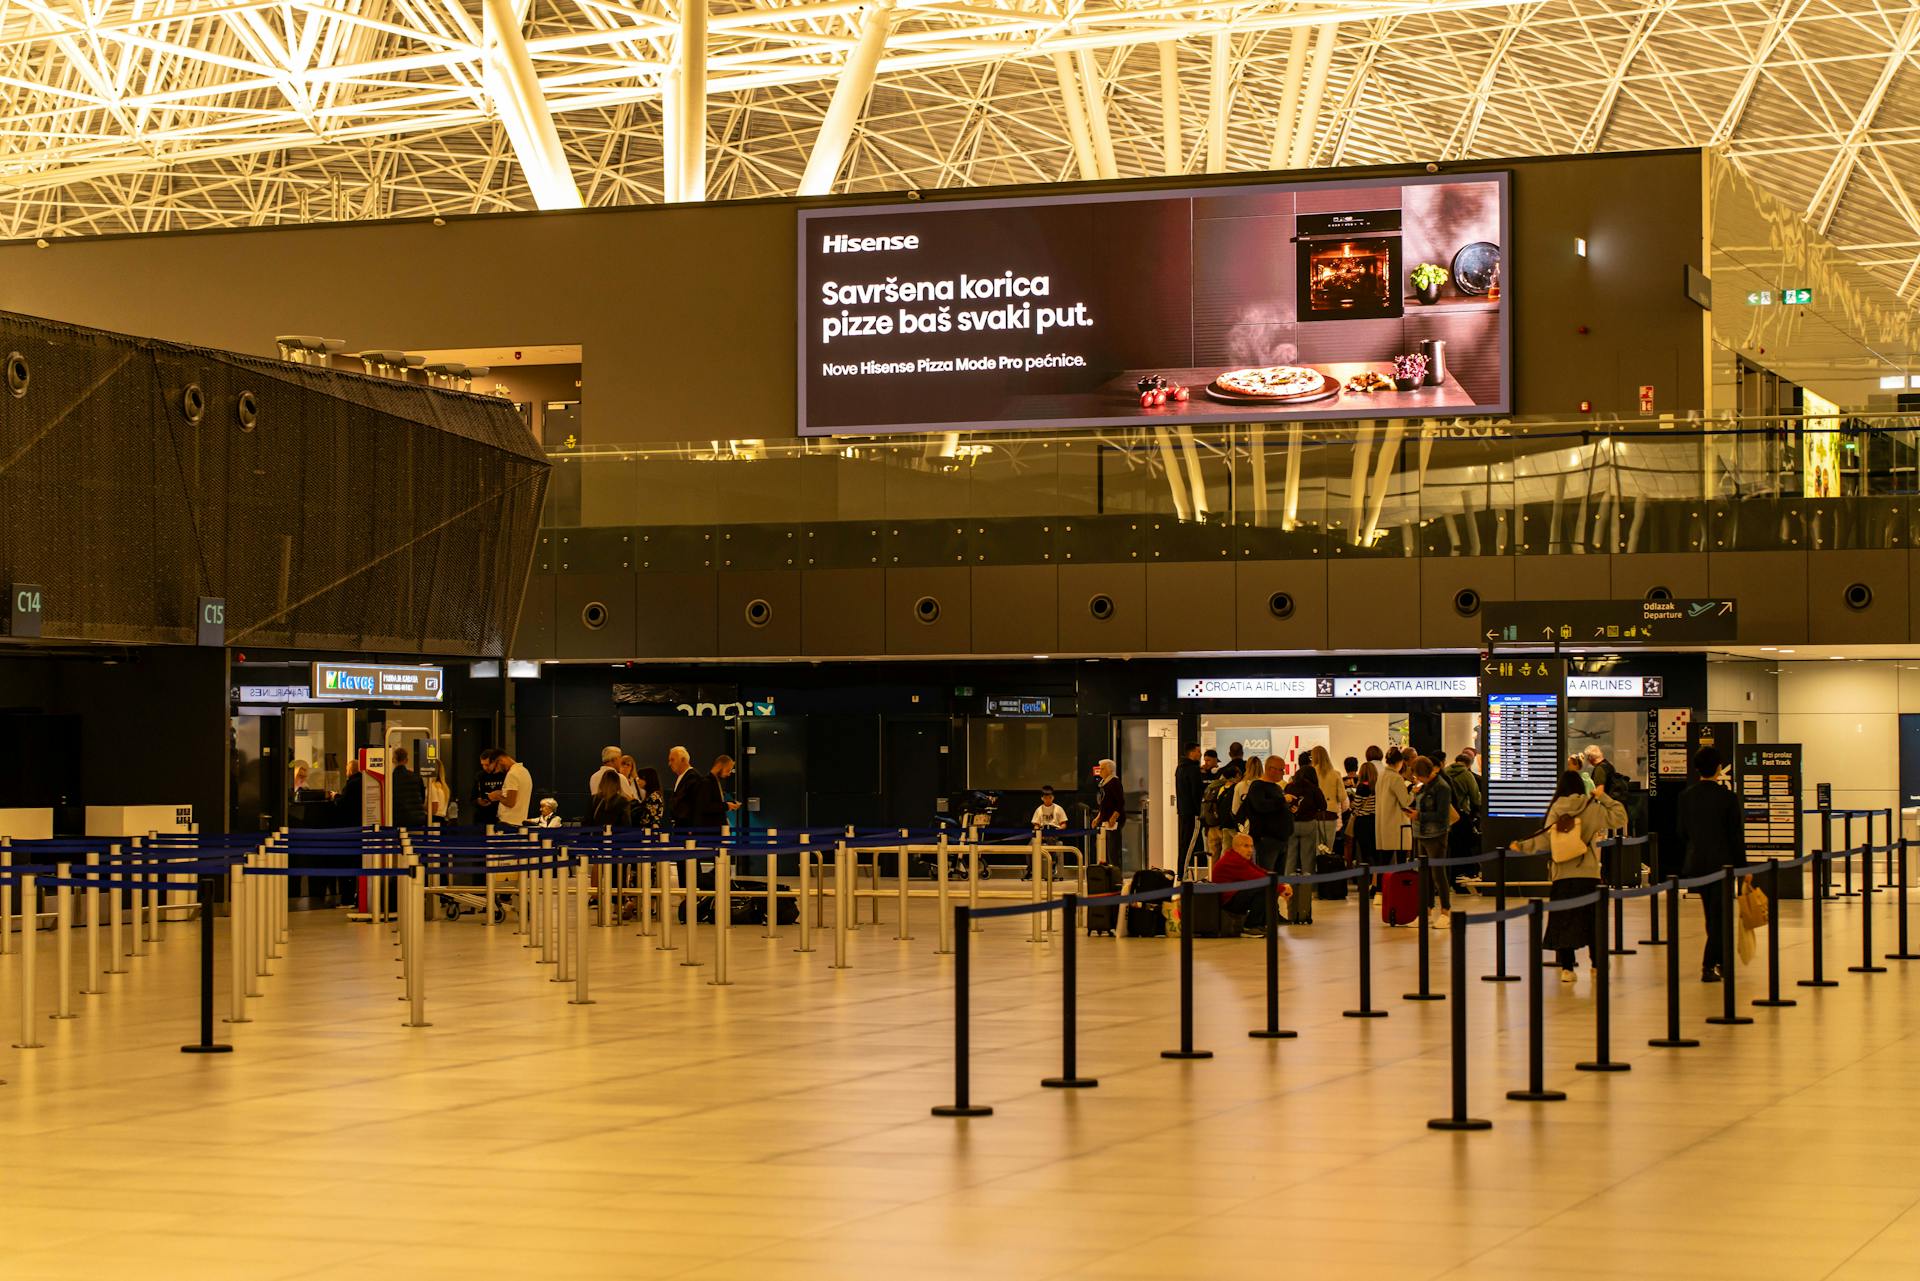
1427, 279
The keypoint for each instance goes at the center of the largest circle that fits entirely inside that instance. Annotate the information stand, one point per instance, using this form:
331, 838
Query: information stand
1767, 779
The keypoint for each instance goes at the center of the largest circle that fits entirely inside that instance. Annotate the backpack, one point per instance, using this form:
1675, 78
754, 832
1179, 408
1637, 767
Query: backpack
1564, 839
1462, 798
1213, 811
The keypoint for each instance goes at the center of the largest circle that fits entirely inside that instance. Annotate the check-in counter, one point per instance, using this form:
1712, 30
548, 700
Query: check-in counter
138, 820
27, 824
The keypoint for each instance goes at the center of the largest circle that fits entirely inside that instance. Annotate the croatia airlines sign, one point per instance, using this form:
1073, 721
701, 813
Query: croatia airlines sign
1341, 688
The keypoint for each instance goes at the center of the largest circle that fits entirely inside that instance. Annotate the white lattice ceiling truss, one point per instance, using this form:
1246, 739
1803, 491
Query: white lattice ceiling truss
149, 115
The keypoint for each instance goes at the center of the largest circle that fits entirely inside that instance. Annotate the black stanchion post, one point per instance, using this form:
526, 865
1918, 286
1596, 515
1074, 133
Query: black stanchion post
206, 1044
1536, 1091
1069, 1078
1867, 965
963, 1104
1271, 939
1773, 999
1822, 887
1366, 1010
1603, 1060
1426, 992
1673, 1040
1186, 1050
1846, 847
1729, 958
1893, 846
1653, 938
1900, 918
1500, 974
1823, 869
1459, 1120
1619, 947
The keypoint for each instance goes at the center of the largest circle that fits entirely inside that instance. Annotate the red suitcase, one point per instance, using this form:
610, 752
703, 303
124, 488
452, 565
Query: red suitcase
1400, 898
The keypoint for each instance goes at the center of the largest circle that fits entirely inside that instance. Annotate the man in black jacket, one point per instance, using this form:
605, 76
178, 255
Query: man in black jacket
1188, 783
1708, 817
1268, 817
408, 792
683, 793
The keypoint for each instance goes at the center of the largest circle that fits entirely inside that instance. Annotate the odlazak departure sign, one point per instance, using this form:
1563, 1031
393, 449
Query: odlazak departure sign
1609, 624
1338, 299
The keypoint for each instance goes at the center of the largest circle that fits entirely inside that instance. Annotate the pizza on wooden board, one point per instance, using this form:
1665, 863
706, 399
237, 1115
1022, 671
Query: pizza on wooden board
1272, 382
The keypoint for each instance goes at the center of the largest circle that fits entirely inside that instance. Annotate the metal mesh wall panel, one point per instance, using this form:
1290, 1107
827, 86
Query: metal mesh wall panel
353, 513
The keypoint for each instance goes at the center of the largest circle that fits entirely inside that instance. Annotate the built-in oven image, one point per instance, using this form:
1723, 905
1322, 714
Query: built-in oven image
1349, 265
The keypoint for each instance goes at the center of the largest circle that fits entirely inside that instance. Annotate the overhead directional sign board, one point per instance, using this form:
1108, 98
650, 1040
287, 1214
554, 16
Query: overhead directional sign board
1609, 624
1523, 719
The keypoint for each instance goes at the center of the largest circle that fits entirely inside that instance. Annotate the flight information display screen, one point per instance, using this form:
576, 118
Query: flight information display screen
1523, 754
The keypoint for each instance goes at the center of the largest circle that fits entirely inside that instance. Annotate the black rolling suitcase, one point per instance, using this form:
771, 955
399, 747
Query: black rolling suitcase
1148, 920
1102, 879
1328, 890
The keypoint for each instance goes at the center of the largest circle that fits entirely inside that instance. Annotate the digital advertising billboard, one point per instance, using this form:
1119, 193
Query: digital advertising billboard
1369, 298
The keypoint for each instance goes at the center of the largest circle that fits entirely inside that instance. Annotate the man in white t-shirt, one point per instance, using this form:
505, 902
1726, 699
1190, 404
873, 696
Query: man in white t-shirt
514, 795
1049, 815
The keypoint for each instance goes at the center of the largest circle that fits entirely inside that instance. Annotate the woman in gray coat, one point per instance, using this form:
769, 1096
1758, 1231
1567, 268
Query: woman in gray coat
1576, 824
1392, 800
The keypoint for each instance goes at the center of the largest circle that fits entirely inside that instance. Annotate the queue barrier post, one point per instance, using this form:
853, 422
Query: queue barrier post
29, 948
1069, 1078
1846, 863
1364, 915
1458, 1119
973, 879
63, 943
1906, 953
1729, 958
1186, 1050
1619, 947
808, 901
1673, 1040
722, 918
962, 1104
560, 921
944, 912
665, 870
236, 946
580, 989
1602, 1060
841, 878
1773, 999
1270, 939
1536, 1091
1037, 932
1867, 964
1823, 887
1893, 847
1653, 938
6, 898
206, 1043
1424, 951
690, 909
1500, 973
1820, 866
92, 900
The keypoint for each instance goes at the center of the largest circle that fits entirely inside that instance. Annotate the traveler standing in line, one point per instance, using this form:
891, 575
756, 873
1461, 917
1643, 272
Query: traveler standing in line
1216, 815
1708, 818
1431, 800
1463, 837
611, 807
1576, 824
683, 799
1599, 767
1578, 764
346, 805
514, 793
1188, 784
1365, 799
1252, 769
714, 809
1392, 835
1210, 765
1333, 787
1113, 808
1235, 767
408, 792
650, 811
1311, 826
1268, 816
610, 759
485, 812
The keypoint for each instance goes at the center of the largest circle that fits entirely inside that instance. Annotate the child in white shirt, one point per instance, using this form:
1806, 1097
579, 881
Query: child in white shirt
1049, 815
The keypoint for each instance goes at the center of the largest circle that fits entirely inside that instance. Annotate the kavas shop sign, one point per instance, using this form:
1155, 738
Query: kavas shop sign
1366, 298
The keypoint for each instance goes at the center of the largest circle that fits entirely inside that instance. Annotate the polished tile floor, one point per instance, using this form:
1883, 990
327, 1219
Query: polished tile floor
779, 1127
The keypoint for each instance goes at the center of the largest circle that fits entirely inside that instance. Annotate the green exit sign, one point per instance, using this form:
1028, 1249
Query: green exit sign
1796, 297
1785, 297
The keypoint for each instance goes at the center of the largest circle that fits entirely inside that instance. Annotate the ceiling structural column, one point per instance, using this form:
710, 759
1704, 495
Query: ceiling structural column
1290, 80
1219, 61
849, 102
1826, 197
670, 135
1096, 96
1075, 109
513, 86
1304, 133
1172, 151
693, 99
